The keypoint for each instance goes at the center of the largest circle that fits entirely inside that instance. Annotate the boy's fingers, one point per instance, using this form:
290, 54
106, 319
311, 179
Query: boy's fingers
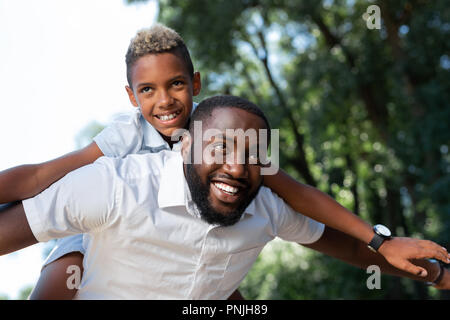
439, 255
439, 252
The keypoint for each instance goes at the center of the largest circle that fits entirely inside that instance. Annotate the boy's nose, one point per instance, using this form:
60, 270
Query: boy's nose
164, 99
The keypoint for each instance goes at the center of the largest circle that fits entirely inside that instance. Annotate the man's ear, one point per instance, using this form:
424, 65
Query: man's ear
186, 142
131, 96
196, 84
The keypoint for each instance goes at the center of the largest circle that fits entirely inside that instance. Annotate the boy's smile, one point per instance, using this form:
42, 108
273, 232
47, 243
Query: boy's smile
163, 90
168, 117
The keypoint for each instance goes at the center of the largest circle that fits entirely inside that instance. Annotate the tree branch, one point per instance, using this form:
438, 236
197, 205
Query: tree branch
377, 111
299, 163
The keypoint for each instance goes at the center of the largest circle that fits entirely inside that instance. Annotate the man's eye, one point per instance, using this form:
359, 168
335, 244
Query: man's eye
177, 83
253, 158
220, 147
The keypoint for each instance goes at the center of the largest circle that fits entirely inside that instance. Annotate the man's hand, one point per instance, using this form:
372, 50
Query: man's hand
400, 251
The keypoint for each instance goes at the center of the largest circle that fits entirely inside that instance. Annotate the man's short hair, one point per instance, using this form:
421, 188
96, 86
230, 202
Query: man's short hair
154, 40
205, 108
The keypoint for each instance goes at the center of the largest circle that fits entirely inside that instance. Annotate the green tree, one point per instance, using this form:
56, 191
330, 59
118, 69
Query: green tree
25, 292
363, 113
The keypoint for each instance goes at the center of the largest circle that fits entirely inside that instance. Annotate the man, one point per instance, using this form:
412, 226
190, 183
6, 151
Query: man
163, 226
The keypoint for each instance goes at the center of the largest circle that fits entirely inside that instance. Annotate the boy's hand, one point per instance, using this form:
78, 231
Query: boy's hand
398, 251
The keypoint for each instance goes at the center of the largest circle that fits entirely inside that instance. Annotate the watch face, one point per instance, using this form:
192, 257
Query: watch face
382, 230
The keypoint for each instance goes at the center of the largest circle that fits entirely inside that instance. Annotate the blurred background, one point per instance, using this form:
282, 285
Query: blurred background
363, 113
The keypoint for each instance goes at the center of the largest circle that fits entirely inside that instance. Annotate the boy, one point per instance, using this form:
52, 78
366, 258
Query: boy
161, 84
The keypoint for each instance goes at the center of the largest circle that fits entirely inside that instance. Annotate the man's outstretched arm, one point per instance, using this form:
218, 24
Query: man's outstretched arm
341, 246
319, 206
15, 232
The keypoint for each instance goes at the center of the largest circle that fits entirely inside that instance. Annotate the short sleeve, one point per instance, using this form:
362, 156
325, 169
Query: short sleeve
83, 201
123, 136
293, 226
64, 246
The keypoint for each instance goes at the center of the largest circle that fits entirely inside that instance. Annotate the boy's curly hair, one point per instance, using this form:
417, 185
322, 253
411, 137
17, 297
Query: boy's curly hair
154, 40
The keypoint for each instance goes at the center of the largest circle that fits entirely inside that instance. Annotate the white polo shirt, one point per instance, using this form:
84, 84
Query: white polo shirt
146, 241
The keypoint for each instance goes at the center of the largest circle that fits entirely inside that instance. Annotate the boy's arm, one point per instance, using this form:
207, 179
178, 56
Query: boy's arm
83, 201
15, 232
321, 207
26, 181
341, 246
318, 206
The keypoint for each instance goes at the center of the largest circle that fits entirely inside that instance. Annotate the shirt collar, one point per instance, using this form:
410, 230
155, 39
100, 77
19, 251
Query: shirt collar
152, 138
172, 187
174, 190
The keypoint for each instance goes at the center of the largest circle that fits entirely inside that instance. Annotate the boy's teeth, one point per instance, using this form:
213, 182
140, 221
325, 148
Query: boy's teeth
226, 188
168, 117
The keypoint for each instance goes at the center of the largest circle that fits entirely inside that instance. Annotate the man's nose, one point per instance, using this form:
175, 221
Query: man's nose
236, 167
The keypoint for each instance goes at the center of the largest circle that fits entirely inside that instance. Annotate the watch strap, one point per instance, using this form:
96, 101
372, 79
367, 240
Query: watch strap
376, 242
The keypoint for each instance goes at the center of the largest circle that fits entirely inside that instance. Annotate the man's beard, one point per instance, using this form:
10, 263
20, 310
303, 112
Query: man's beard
200, 195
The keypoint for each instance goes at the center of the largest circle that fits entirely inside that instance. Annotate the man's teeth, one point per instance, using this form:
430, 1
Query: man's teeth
169, 116
227, 188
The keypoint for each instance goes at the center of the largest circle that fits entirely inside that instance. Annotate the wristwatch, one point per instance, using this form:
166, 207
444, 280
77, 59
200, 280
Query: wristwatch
440, 274
382, 233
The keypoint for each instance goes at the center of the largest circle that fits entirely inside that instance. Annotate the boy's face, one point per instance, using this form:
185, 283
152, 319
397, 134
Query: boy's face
163, 90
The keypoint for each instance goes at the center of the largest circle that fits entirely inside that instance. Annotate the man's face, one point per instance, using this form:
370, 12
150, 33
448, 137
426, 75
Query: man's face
163, 89
223, 191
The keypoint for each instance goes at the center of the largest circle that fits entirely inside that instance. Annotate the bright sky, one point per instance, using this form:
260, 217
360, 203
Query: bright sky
62, 65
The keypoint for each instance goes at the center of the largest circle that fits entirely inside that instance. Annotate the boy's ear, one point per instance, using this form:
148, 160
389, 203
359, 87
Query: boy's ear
196, 84
131, 96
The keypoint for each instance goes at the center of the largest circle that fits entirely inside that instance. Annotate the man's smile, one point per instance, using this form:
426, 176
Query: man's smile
227, 190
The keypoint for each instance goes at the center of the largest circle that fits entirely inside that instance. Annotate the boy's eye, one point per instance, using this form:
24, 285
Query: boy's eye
146, 89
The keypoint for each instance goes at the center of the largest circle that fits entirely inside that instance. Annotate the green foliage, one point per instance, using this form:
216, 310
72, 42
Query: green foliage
289, 271
25, 293
87, 133
363, 114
